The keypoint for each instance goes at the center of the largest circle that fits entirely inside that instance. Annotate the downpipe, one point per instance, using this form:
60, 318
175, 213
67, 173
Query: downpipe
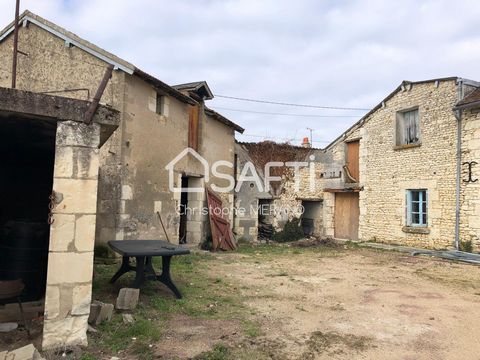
458, 116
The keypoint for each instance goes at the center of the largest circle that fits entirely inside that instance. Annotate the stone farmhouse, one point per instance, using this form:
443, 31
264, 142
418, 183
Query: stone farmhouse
109, 182
406, 173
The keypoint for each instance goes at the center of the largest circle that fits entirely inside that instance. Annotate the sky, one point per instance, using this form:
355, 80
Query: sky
325, 53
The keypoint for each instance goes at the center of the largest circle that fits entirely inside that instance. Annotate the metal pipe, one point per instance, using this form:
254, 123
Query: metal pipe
98, 95
15, 45
68, 90
458, 116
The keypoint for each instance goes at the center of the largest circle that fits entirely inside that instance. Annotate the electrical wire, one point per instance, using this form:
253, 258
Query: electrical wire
290, 104
282, 138
285, 114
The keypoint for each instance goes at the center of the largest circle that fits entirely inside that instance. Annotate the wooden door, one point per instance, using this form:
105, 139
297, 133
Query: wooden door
193, 127
222, 235
347, 212
353, 153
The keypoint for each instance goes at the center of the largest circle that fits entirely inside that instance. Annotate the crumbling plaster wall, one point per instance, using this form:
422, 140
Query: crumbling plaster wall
53, 66
247, 201
150, 142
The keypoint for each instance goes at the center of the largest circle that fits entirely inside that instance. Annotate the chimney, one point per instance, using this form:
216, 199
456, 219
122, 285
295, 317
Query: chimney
306, 143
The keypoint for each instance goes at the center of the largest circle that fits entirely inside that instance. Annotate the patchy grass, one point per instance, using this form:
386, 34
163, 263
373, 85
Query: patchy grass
219, 352
203, 296
333, 343
252, 329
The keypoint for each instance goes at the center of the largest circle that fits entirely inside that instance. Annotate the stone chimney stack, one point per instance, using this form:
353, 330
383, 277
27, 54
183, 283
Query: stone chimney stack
306, 143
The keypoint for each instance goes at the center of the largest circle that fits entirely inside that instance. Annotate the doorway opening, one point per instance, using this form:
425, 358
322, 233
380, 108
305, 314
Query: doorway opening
265, 219
312, 219
182, 233
26, 181
191, 216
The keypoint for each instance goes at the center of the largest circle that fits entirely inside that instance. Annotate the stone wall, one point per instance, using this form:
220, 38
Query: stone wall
470, 190
386, 171
133, 182
72, 235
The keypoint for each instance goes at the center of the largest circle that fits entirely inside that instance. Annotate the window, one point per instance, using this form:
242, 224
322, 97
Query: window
162, 108
408, 128
417, 208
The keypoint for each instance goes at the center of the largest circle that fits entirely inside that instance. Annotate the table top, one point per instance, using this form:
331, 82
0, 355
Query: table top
147, 248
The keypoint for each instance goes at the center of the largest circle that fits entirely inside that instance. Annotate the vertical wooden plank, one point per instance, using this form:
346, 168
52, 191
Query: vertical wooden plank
353, 159
347, 212
193, 127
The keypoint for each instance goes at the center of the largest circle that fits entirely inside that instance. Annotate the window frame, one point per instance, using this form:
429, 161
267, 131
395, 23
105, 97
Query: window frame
422, 208
160, 104
400, 128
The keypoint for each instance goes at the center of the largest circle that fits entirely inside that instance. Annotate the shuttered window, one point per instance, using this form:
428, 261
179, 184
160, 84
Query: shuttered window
193, 126
408, 127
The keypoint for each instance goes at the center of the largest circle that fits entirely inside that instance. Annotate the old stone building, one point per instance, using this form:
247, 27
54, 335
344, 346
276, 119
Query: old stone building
398, 169
137, 166
406, 173
257, 206
50, 150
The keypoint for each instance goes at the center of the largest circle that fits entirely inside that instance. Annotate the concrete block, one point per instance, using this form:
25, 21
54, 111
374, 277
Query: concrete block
127, 299
100, 312
62, 232
52, 302
71, 133
63, 162
27, 352
86, 163
70, 268
128, 318
3, 355
85, 233
81, 299
79, 196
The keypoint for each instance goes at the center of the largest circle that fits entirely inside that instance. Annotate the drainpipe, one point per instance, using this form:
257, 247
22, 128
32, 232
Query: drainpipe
458, 116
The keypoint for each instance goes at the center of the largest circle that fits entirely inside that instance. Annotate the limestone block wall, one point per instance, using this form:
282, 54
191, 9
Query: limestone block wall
72, 235
470, 190
386, 172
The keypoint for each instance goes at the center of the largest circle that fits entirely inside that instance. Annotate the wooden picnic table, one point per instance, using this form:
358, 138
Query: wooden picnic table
143, 251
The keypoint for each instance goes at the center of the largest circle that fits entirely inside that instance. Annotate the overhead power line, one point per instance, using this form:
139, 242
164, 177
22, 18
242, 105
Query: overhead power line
282, 138
290, 104
285, 114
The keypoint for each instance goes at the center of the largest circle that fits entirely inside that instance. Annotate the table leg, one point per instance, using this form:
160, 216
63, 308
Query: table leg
165, 276
149, 270
124, 268
140, 272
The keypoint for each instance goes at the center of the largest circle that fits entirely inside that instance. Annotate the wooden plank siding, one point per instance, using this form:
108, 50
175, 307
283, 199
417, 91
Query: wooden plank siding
347, 212
193, 127
353, 163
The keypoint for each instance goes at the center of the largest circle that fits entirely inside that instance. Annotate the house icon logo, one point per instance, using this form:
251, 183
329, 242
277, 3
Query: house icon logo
171, 171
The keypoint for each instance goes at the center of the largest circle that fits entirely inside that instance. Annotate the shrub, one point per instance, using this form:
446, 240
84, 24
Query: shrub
292, 231
466, 246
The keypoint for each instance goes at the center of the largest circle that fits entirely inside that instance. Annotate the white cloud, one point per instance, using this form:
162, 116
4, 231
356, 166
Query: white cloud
344, 53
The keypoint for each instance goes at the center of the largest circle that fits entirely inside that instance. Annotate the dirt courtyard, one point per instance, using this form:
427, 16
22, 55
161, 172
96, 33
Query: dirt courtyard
351, 304
289, 302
